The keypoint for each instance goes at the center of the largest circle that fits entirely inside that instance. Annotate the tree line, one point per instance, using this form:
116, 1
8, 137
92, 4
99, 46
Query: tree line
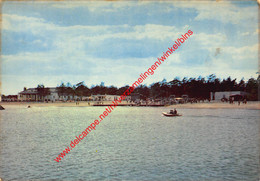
199, 88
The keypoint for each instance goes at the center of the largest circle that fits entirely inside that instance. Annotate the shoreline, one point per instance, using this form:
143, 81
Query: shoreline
253, 105
209, 105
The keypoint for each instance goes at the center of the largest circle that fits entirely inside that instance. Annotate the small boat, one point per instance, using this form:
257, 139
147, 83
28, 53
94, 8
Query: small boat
170, 114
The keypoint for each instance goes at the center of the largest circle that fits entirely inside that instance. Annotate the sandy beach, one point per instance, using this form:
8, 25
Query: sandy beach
219, 105
212, 105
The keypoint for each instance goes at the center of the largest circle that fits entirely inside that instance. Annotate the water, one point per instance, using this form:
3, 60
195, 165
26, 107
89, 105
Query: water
132, 143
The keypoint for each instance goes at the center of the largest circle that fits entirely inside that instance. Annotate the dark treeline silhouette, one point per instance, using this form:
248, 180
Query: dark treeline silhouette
193, 87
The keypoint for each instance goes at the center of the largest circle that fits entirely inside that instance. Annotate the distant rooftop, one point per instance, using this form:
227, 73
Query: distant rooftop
34, 90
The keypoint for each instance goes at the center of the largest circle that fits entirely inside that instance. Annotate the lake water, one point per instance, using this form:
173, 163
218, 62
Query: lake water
132, 143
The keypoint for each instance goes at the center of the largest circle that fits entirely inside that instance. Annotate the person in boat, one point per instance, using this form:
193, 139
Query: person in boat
175, 111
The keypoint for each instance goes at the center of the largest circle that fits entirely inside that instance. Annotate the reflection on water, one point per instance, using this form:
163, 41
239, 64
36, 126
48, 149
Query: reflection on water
132, 143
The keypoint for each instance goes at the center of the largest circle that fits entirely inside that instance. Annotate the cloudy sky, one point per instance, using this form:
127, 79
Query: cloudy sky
113, 42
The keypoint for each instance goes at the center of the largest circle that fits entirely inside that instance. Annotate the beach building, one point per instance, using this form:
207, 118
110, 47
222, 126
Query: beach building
31, 94
227, 95
108, 97
28, 94
9, 98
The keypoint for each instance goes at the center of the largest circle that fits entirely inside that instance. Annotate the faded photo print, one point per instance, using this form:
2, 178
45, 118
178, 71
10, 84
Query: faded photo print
129, 90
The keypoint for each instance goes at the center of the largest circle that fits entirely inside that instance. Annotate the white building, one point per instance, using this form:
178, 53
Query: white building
31, 94
226, 94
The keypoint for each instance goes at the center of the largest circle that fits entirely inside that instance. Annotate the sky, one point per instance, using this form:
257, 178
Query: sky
114, 41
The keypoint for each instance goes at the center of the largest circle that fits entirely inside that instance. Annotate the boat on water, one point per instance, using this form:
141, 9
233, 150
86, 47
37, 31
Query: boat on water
170, 114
